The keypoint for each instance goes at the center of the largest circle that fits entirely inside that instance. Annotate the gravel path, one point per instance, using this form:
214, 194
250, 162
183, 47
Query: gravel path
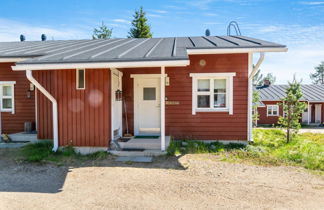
187, 182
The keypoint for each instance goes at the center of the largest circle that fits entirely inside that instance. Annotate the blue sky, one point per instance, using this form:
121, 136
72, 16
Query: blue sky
297, 24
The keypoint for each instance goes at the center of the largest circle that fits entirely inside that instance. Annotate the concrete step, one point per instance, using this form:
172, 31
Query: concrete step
145, 153
32, 137
148, 144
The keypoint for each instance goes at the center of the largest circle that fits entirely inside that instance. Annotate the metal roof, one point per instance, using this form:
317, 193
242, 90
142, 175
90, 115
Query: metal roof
122, 49
312, 93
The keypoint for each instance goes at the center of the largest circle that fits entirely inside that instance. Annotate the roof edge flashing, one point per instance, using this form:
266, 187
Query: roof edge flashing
235, 50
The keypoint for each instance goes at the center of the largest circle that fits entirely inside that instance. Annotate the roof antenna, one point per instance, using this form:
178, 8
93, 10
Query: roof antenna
235, 25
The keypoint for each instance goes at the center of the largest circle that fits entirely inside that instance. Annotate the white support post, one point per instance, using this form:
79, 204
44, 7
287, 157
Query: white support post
162, 95
308, 113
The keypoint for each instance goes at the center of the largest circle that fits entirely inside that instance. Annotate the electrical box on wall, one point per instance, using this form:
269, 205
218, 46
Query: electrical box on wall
167, 81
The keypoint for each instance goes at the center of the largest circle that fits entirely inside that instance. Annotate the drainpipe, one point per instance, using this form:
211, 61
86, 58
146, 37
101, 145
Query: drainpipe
30, 77
250, 91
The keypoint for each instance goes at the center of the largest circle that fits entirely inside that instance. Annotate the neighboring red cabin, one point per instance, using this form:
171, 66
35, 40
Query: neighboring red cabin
270, 110
17, 101
90, 93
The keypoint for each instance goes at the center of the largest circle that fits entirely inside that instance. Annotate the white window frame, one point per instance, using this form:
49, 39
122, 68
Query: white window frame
12, 97
211, 76
77, 79
271, 106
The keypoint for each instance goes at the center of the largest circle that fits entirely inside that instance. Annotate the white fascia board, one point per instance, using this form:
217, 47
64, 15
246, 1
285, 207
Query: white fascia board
235, 50
135, 64
10, 60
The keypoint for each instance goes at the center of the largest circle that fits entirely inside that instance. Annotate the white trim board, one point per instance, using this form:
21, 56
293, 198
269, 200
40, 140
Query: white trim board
7, 82
102, 65
235, 50
142, 76
10, 60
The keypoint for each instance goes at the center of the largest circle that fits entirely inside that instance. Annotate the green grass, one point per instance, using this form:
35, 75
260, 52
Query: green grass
42, 152
269, 148
194, 147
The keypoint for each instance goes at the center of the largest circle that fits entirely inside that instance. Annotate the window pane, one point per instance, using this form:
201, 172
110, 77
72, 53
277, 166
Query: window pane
81, 79
220, 85
7, 103
219, 100
204, 101
275, 108
7, 91
269, 110
149, 94
203, 85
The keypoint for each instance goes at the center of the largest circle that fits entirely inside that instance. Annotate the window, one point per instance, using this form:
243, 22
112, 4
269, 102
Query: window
272, 110
149, 94
212, 92
80, 79
7, 96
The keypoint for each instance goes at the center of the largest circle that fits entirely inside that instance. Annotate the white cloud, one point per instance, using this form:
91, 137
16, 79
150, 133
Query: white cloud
120, 21
305, 50
159, 11
153, 15
10, 31
312, 3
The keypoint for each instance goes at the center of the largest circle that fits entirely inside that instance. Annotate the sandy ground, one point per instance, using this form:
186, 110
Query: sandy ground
187, 182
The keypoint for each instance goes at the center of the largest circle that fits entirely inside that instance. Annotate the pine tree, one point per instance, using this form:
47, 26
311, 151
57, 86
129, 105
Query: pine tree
292, 108
318, 76
103, 32
140, 28
255, 102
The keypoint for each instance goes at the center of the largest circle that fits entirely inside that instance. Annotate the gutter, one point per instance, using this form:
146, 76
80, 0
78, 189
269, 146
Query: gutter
250, 91
30, 77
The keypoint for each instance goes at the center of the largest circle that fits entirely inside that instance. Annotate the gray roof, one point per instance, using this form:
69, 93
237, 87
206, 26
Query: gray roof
122, 49
312, 93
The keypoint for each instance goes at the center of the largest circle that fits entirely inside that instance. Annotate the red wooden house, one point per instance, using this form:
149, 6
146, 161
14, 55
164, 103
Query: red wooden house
271, 96
91, 92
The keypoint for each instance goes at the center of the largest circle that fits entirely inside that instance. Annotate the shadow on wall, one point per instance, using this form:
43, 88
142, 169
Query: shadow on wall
50, 178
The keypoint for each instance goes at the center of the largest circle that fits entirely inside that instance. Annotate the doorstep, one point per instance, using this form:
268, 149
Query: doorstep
145, 153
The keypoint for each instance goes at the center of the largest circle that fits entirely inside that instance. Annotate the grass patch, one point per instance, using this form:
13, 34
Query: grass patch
42, 152
270, 148
196, 147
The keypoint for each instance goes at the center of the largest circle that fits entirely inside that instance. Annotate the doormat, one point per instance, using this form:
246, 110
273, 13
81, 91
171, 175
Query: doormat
124, 139
146, 137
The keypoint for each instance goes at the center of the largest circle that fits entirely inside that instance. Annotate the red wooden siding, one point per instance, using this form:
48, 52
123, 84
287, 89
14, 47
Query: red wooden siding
263, 118
24, 107
84, 115
180, 122
266, 120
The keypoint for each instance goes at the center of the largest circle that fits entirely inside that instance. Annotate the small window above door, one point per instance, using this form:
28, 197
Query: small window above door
149, 93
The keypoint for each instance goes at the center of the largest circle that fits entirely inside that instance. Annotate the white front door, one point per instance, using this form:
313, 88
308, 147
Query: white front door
147, 116
318, 113
305, 116
117, 103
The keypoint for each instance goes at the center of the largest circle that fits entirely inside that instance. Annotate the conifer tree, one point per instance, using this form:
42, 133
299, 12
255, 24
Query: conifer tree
140, 27
292, 108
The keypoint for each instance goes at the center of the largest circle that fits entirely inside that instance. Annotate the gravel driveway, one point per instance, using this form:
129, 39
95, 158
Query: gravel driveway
187, 182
